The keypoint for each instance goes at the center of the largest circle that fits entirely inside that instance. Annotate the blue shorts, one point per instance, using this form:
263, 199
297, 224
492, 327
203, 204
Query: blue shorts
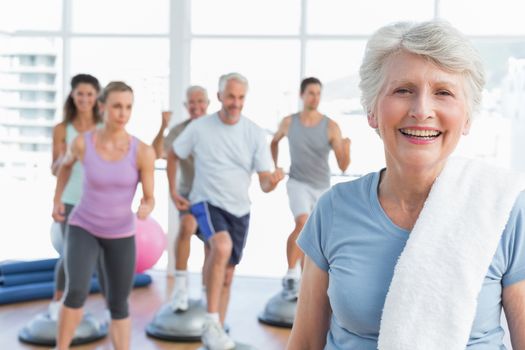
212, 219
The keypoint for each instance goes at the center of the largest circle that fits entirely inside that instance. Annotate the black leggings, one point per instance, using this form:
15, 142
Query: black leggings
60, 275
82, 253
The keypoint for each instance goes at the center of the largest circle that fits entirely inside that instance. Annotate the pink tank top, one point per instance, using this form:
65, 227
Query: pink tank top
104, 209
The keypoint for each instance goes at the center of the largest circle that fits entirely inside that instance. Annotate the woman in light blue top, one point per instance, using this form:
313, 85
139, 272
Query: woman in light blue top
420, 85
80, 115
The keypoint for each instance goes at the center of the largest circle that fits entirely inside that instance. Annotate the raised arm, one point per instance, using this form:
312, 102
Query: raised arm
59, 147
146, 166
282, 131
340, 145
312, 319
75, 152
514, 305
158, 141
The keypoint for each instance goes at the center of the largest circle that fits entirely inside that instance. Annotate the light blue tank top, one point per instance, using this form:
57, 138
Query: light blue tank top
73, 190
350, 236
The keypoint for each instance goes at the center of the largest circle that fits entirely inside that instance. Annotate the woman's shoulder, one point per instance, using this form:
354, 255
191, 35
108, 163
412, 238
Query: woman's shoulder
349, 192
60, 128
145, 153
359, 184
518, 209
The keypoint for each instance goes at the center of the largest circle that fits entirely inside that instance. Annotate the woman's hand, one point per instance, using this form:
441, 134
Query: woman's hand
145, 208
59, 211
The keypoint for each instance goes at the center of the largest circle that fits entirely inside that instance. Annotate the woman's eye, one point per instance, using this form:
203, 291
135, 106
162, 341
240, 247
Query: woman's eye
402, 91
444, 93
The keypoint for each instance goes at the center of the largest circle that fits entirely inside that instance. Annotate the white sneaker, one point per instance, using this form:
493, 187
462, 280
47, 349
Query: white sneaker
180, 300
215, 338
53, 309
290, 290
106, 318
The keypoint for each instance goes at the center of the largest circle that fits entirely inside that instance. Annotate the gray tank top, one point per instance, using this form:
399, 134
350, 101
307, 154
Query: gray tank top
309, 149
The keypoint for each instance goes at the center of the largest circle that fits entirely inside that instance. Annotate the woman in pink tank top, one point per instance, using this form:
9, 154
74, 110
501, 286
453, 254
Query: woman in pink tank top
114, 162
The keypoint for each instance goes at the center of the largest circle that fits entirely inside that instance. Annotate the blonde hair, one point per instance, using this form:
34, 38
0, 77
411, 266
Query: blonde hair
113, 86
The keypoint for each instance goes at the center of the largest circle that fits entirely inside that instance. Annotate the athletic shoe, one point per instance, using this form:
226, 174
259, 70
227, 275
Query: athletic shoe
290, 290
215, 338
53, 310
180, 300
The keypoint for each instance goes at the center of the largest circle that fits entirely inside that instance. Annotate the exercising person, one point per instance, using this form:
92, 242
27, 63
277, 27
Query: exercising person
227, 148
196, 104
311, 137
81, 114
113, 162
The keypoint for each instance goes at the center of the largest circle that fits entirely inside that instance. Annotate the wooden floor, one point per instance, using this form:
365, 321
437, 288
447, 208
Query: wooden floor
248, 298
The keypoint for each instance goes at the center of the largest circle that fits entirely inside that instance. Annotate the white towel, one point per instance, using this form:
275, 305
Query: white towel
432, 300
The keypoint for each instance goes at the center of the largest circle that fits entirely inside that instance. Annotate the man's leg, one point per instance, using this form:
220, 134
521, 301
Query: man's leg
213, 334
213, 228
220, 252
225, 295
187, 227
301, 203
293, 253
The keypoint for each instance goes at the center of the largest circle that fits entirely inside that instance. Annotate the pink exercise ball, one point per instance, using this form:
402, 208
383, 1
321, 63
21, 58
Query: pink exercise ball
150, 242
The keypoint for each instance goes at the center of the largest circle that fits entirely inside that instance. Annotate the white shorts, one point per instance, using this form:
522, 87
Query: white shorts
302, 197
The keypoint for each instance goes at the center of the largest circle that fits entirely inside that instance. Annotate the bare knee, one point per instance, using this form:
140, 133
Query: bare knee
188, 226
221, 246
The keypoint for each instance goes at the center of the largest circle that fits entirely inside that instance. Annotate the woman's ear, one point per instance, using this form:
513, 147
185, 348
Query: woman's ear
466, 127
372, 120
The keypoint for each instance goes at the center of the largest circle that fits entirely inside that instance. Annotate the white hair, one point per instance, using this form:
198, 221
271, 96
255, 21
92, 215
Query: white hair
196, 88
224, 79
437, 41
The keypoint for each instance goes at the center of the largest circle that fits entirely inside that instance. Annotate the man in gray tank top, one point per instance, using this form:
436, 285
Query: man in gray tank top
311, 136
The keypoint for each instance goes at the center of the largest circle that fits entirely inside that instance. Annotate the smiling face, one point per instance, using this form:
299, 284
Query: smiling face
421, 112
197, 104
84, 97
232, 98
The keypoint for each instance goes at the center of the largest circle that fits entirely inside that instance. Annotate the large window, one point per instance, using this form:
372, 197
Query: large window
160, 47
120, 16
363, 17
141, 63
28, 15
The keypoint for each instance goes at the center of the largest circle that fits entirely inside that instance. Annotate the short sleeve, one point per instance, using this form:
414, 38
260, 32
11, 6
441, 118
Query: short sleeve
170, 138
185, 142
262, 160
513, 241
312, 239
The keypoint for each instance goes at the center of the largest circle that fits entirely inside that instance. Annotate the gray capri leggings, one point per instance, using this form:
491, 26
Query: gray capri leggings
119, 267
60, 275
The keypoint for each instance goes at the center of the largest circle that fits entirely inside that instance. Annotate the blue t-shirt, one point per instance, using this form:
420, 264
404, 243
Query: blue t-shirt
225, 158
350, 236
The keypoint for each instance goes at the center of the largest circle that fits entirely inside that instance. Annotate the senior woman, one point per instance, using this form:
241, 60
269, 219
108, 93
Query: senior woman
424, 253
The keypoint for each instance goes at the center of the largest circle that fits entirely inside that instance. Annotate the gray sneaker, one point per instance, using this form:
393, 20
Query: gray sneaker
290, 290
